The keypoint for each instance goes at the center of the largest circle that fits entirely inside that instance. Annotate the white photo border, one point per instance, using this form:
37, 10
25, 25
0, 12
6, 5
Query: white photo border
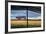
23, 29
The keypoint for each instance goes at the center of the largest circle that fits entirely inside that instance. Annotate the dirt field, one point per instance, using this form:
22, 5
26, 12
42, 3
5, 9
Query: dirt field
23, 23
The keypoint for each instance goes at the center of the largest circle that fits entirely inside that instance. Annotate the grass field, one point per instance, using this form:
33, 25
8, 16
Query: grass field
23, 23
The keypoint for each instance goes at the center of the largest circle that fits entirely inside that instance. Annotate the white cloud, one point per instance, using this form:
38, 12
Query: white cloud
34, 18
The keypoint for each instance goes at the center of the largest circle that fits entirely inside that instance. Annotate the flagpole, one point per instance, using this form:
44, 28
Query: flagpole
27, 17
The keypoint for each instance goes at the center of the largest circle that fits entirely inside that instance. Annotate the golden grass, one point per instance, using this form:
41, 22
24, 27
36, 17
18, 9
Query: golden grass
24, 22
19, 22
34, 22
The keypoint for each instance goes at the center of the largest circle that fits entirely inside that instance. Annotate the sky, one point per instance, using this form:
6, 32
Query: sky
31, 14
34, 12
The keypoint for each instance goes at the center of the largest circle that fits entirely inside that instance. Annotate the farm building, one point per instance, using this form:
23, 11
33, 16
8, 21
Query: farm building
21, 17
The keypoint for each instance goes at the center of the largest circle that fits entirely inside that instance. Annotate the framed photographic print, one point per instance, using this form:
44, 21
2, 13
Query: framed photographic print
24, 16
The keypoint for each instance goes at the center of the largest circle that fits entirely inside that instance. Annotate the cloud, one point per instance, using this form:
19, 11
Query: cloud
34, 18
